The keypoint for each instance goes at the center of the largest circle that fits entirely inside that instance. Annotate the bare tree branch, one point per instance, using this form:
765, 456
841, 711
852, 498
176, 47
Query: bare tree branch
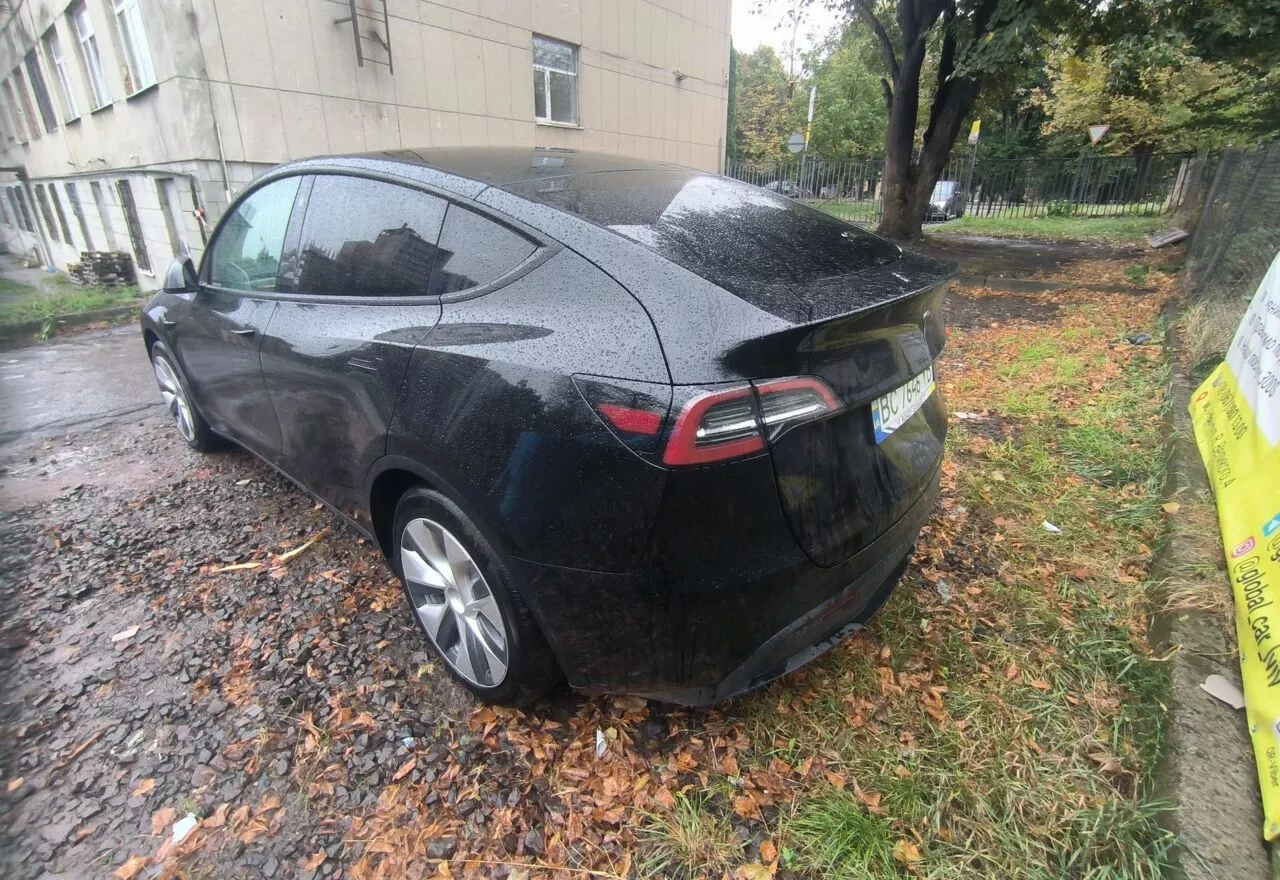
868, 16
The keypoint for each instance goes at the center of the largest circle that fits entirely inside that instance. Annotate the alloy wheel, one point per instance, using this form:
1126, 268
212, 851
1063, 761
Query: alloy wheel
454, 603
175, 399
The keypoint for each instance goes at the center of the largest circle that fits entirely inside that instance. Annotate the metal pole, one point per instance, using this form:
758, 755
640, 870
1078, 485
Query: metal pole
808, 126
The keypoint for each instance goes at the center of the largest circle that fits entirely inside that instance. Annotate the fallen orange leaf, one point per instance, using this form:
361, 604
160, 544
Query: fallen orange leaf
906, 852
404, 770
144, 787
131, 868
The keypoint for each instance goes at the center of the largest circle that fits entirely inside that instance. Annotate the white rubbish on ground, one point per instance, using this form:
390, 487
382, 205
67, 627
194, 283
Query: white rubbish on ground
1224, 689
601, 745
183, 827
1051, 528
125, 634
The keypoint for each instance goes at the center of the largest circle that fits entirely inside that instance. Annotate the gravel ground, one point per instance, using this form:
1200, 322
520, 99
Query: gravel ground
140, 684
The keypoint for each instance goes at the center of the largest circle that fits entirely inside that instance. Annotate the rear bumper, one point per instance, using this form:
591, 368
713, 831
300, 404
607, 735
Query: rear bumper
683, 637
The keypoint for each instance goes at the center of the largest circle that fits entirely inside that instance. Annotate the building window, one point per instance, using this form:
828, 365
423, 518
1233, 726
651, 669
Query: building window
11, 106
43, 201
89, 56
24, 99
555, 81
73, 196
139, 72
61, 69
13, 208
60, 214
133, 224
50, 120
167, 193
104, 214
20, 206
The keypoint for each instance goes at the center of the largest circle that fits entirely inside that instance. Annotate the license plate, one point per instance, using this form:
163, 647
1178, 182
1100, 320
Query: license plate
889, 413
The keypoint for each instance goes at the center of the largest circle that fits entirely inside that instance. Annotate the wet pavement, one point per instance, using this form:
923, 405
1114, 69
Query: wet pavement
141, 682
95, 378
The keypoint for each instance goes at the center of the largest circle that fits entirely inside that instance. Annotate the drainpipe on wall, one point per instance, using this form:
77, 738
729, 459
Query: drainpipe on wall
21, 171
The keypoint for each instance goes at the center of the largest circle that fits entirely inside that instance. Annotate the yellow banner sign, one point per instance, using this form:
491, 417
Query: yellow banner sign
1236, 416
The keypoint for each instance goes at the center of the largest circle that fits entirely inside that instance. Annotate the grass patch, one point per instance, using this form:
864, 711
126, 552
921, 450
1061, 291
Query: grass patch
689, 840
837, 837
63, 299
1119, 230
1003, 711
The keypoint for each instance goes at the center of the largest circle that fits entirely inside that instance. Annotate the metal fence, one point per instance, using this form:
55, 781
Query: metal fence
1237, 233
1085, 186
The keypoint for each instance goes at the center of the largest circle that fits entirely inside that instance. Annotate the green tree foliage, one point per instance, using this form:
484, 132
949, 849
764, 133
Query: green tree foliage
1155, 96
850, 122
763, 112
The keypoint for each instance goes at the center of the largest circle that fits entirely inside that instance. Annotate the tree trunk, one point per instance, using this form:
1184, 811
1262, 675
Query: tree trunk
909, 180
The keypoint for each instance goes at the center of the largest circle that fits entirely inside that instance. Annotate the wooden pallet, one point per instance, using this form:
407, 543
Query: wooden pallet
103, 269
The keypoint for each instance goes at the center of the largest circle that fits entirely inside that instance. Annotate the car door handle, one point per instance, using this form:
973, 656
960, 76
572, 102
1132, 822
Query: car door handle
247, 331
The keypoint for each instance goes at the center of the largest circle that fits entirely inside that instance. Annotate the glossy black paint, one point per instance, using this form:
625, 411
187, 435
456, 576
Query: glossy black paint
684, 583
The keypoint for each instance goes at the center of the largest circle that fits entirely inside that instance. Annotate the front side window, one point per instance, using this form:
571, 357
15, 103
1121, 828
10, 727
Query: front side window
32, 63
89, 56
246, 253
139, 72
368, 238
62, 70
474, 251
555, 81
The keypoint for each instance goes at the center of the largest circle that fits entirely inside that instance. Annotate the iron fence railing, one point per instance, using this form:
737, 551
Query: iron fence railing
1085, 186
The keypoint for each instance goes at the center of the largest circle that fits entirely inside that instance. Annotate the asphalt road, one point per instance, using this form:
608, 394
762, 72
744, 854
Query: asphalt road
88, 380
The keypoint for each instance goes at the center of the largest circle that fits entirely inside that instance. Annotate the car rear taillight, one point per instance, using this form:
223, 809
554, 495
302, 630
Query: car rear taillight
635, 412
735, 422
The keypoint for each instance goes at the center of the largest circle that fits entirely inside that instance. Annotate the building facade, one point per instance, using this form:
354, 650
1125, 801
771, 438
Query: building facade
136, 121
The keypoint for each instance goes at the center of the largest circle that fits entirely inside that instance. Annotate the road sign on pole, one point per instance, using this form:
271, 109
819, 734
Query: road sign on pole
1096, 132
974, 132
795, 143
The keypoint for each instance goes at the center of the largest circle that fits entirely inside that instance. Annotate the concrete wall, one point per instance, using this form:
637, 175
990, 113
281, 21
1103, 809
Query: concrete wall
463, 75
251, 83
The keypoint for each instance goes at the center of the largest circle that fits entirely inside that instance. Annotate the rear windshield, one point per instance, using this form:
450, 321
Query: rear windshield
943, 189
737, 236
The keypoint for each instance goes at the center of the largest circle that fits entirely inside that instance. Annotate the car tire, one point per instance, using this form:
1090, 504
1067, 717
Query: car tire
179, 406
476, 624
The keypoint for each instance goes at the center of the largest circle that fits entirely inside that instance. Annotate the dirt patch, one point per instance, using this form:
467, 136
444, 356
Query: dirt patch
966, 311
1017, 258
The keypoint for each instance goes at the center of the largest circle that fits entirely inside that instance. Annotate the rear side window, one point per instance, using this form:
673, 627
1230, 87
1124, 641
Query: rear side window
474, 251
367, 238
246, 253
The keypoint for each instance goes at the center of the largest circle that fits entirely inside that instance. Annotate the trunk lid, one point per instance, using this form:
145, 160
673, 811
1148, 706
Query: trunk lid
839, 487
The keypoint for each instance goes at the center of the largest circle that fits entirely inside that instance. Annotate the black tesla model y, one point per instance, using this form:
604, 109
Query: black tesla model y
647, 428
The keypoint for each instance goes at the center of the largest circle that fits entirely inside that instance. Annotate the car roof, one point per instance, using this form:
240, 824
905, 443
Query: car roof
493, 166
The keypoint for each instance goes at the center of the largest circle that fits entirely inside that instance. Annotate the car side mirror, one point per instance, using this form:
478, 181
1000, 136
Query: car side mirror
181, 277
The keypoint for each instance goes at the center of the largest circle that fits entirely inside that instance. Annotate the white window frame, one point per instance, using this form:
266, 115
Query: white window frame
90, 56
547, 71
140, 72
62, 67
